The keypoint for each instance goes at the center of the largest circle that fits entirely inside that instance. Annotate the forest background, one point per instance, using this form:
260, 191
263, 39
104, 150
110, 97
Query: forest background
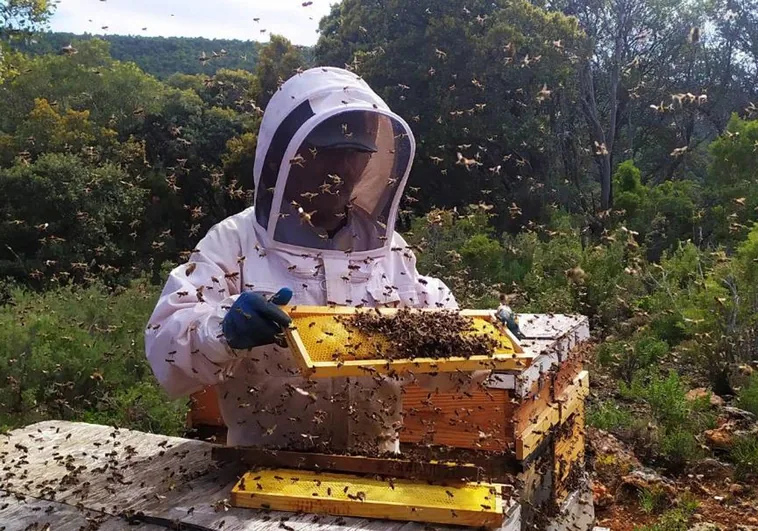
595, 156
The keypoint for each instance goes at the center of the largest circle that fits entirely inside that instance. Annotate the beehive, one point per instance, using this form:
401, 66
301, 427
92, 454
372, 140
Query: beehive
325, 347
530, 418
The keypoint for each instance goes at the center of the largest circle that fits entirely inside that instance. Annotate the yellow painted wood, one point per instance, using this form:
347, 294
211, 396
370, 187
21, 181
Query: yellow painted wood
474, 504
569, 452
325, 348
558, 412
574, 395
531, 437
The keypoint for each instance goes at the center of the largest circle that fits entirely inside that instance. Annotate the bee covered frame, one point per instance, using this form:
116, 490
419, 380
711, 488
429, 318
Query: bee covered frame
307, 346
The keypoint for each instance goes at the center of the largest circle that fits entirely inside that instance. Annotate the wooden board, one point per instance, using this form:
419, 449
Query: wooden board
572, 398
26, 513
89, 468
556, 412
391, 467
472, 504
568, 451
478, 420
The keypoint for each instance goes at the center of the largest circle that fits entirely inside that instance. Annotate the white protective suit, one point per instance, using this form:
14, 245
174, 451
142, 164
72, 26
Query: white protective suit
263, 399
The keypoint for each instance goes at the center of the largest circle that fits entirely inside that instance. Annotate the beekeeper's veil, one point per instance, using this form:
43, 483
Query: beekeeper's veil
331, 164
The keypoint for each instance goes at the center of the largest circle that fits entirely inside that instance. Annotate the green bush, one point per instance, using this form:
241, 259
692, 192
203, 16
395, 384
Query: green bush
677, 419
609, 416
652, 500
673, 520
748, 395
78, 354
628, 357
80, 214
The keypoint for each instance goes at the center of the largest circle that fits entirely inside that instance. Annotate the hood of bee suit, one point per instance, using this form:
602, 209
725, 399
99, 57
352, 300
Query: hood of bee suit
286, 196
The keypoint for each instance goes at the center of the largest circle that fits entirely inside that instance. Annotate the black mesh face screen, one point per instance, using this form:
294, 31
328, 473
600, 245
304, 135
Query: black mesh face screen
340, 199
264, 194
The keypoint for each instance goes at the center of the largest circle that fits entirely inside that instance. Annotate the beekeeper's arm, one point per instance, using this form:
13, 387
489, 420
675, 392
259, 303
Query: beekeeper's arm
201, 318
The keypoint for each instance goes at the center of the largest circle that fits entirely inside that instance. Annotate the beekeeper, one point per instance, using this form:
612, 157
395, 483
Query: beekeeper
330, 167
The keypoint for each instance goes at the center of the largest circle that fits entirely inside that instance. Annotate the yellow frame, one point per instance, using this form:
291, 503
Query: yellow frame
463, 504
516, 361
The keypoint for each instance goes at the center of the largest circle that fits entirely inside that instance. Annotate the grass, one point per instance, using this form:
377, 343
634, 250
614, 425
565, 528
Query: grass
677, 519
748, 395
744, 454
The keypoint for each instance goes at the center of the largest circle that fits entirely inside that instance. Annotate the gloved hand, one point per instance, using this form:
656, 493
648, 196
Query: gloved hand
253, 320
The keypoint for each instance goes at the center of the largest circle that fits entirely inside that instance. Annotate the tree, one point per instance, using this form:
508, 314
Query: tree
117, 95
62, 218
277, 61
18, 17
488, 81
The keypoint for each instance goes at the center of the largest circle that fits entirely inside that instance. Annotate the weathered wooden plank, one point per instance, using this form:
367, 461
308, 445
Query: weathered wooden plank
23, 514
390, 467
102, 469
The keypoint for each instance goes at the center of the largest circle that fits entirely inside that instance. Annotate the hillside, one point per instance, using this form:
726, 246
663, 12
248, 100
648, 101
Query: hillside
162, 56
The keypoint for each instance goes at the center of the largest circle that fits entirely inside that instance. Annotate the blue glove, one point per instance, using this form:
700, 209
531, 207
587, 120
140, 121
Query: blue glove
253, 320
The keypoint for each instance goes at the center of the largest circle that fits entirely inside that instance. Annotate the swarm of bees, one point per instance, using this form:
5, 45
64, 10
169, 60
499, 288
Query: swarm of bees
417, 334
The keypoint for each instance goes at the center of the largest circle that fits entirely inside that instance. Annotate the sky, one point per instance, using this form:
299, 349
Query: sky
220, 19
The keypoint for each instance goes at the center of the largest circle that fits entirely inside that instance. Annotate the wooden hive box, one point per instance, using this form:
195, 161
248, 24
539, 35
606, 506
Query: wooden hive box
530, 418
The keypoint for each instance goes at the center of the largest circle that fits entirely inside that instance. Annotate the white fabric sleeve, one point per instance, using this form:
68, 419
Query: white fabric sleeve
183, 340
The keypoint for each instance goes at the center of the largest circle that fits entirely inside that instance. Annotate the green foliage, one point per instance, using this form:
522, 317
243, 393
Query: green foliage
609, 416
469, 91
116, 95
161, 57
678, 420
731, 177
463, 252
75, 223
748, 395
277, 62
652, 500
662, 214
628, 357
677, 519
22, 17
77, 354
744, 454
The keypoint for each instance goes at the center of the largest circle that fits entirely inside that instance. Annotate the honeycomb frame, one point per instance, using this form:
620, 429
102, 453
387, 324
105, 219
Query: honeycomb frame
513, 358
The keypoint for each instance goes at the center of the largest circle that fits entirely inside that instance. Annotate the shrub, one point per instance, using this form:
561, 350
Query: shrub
652, 500
676, 519
678, 419
78, 354
609, 416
